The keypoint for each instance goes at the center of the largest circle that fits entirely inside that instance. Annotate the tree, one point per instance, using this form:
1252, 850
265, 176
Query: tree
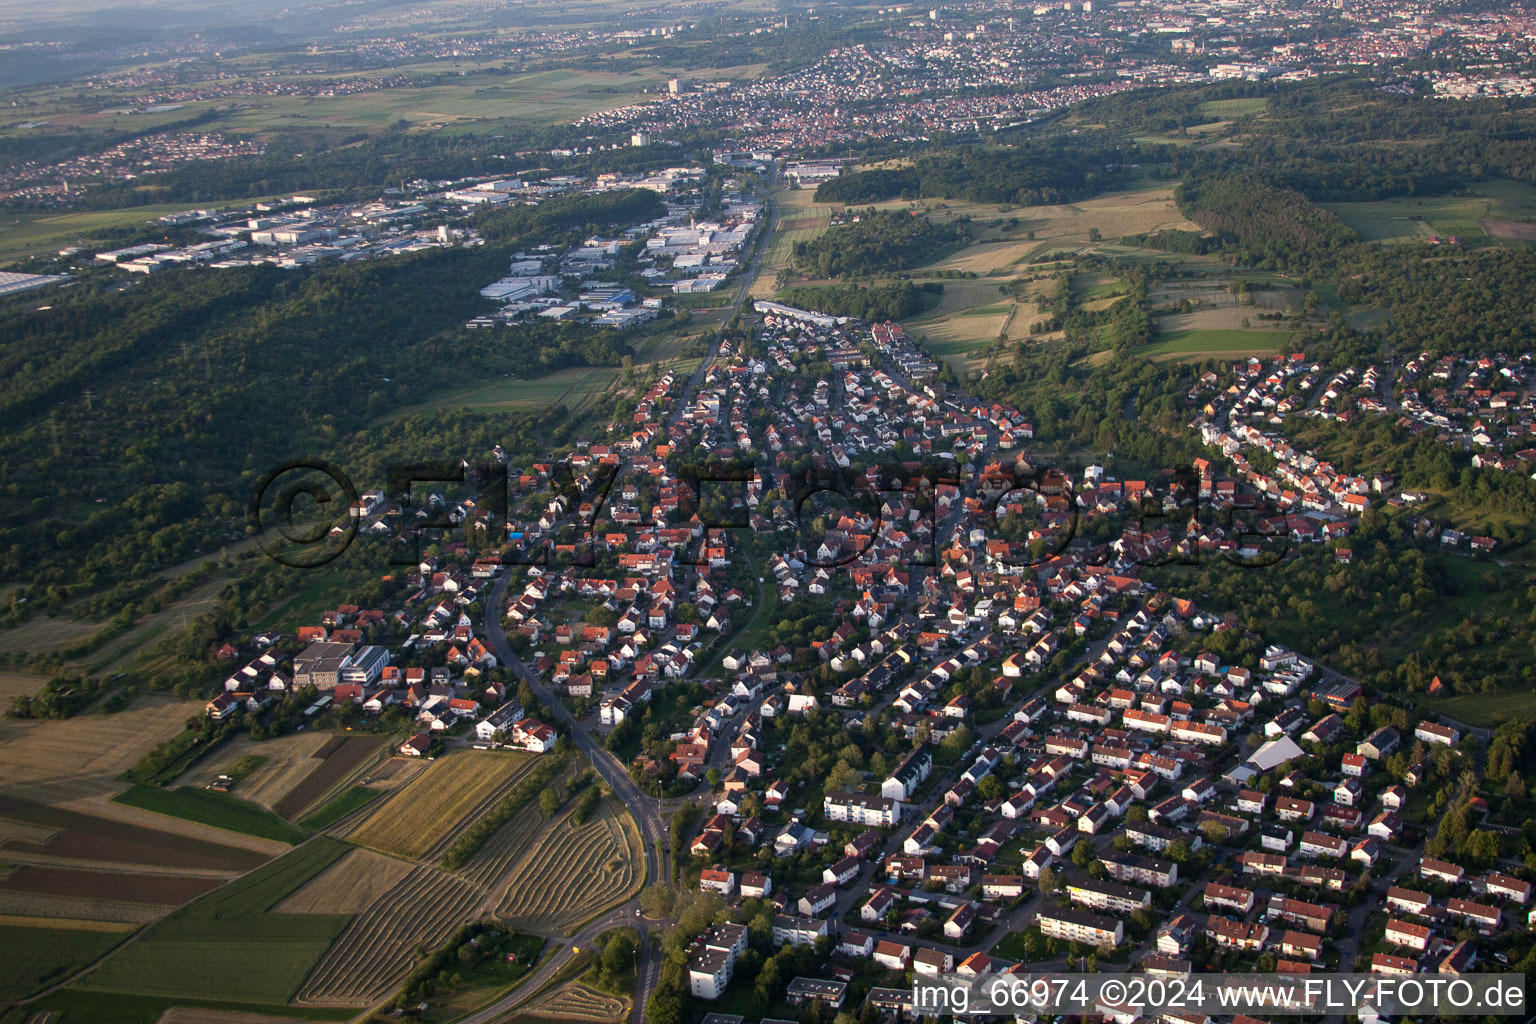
549, 801
618, 955
656, 901
842, 776
1214, 832
957, 741
1046, 882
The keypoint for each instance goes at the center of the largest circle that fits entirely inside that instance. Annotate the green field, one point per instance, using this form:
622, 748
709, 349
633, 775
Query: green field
226, 945
1485, 710
35, 958
1418, 218
342, 805
1234, 108
209, 808
1204, 343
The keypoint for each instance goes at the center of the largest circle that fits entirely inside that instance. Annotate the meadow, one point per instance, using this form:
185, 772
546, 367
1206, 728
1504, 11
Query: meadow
1211, 344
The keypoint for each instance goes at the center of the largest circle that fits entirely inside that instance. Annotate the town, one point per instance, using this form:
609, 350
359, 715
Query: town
892, 787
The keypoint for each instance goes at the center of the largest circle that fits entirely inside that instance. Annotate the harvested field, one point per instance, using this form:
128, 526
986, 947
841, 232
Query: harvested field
349, 886
288, 759
575, 1001
67, 908
492, 861
18, 684
83, 756
88, 837
1515, 229
376, 950
574, 872
165, 890
21, 832
67, 924
332, 764
188, 1015
394, 766
422, 817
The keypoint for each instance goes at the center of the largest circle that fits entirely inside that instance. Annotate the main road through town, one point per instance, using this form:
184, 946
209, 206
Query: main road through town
646, 810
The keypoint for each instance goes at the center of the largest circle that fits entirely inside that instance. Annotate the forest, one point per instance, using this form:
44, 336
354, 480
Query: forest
1272, 224
895, 301
877, 242
523, 224
1053, 171
138, 419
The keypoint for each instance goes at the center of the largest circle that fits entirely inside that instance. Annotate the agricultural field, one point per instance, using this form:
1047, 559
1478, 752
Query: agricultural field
799, 219
337, 760
496, 858
545, 97
220, 810
376, 950
189, 953
18, 684
1235, 107
971, 315
34, 909
574, 1001
38, 957
1113, 214
110, 886
87, 1006
1484, 710
573, 872
28, 233
189, 1015
425, 814
1492, 210
84, 755
344, 803
1214, 344
287, 759
78, 837
349, 886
